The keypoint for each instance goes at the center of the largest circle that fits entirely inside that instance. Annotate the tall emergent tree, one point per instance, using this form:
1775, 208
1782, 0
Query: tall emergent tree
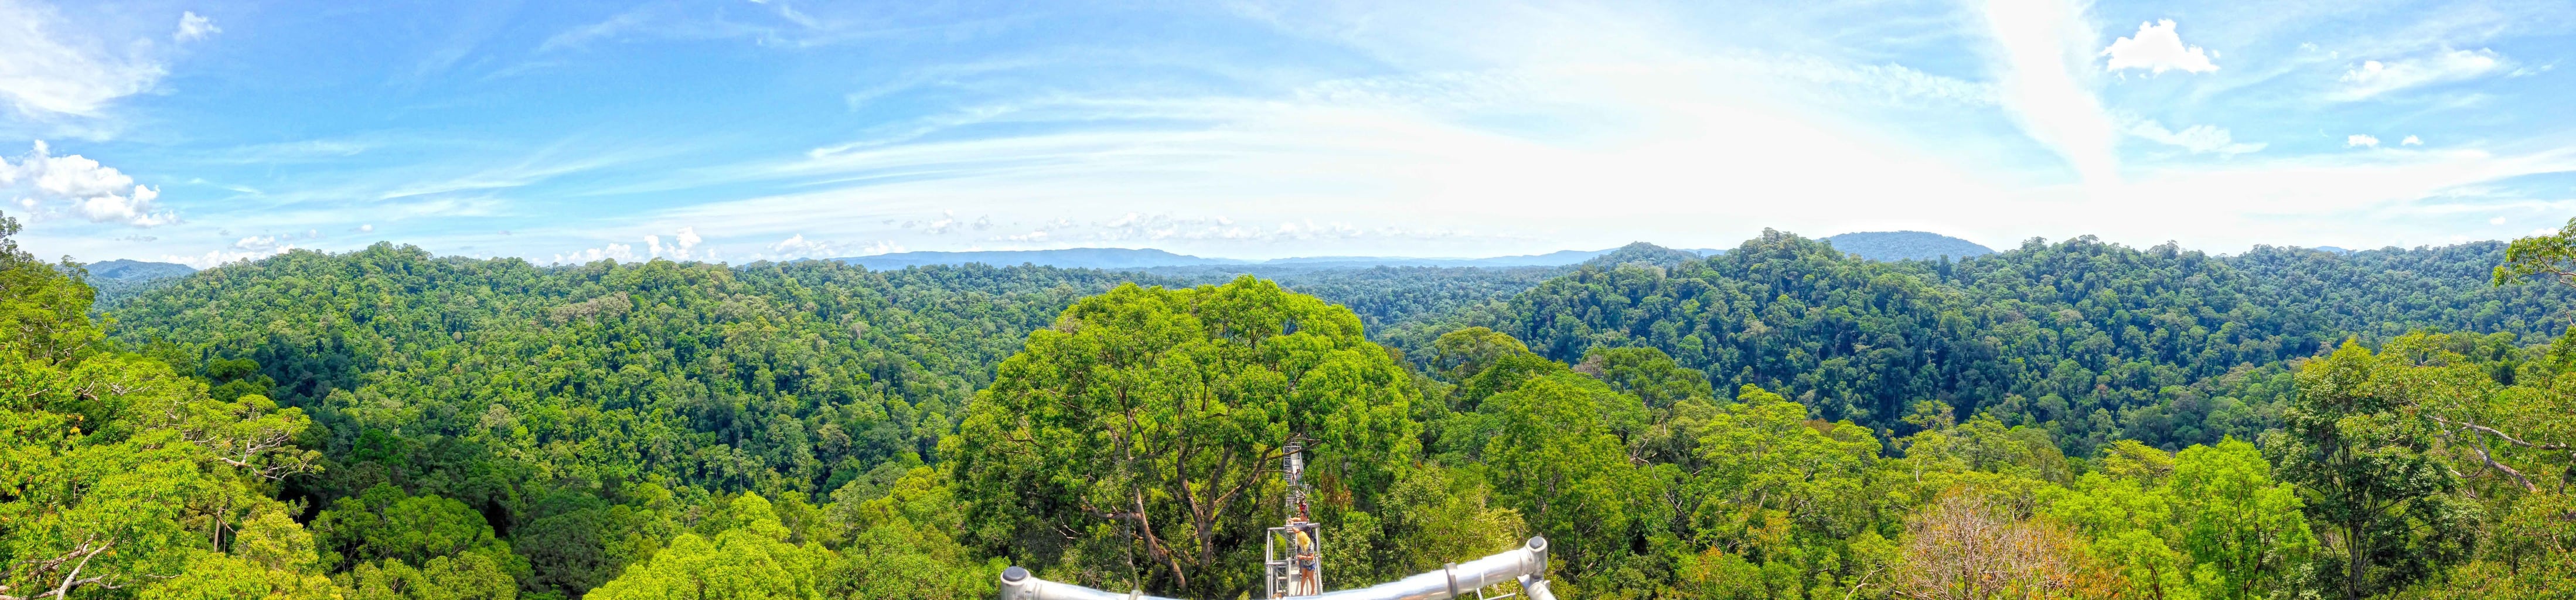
1553, 456
1135, 443
2550, 256
752, 560
120, 477
2372, 472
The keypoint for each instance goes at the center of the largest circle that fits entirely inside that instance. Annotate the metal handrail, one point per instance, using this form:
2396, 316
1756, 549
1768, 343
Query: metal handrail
1526, 564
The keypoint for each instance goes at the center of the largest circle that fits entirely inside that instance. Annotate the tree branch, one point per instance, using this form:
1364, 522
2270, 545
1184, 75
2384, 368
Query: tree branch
2508, 438
71, 580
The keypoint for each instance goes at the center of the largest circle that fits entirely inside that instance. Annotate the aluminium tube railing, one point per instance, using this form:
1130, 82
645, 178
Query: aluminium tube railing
1526, 564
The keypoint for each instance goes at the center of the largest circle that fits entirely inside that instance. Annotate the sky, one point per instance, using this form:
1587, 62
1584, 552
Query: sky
739, 130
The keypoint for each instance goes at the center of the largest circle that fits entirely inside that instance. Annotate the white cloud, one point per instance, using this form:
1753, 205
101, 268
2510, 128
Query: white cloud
1358, 165
2157, 48
220, 257
2360, 141
619, 252
2373, 78
1679, 134
193, 27
2199, 139
44, 72
797, 246
247, 248
681, 244
2496, 221
97, 192
685, 244
2042, 41
366, 228
2382, 197
2411, 141
883, 247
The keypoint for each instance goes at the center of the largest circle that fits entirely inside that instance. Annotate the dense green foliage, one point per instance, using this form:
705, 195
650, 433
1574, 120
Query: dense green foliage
549, 399
1133, 441
542, 397
2089, 340
120, 478
2072, 420
1384, 296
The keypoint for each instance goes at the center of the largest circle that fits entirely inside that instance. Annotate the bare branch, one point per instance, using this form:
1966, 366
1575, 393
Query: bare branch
2508, 438
73, 580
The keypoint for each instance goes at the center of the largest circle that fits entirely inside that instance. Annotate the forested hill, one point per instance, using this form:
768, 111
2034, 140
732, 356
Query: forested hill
136, 270
519, 391
119, 279
515, 389
2099, 341
1147, 258
1906, 245
2169, 346
1642, 253
388, 425
1382, 295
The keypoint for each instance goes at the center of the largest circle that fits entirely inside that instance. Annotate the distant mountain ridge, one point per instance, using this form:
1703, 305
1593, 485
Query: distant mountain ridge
1906, 245
1551, 259
117, 280
1884, 246
1645, 253
1086, 258
136, 270
1147, 258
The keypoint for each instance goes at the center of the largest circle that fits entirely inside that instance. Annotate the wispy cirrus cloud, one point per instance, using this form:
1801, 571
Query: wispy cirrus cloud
50, 68
2373, 78
1636, 127
2044, 64
1270, 128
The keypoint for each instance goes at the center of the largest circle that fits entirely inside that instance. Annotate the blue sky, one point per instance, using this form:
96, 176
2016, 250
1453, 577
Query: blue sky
733, 130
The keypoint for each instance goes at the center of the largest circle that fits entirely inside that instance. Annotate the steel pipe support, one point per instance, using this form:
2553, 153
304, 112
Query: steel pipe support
1526, 565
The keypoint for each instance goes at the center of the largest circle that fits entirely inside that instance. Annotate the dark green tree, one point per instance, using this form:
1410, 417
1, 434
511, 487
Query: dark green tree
120, 477
1136, 442
1646, 372
1555, 458
384, 524
751, 560
2371, 474
2541, 256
